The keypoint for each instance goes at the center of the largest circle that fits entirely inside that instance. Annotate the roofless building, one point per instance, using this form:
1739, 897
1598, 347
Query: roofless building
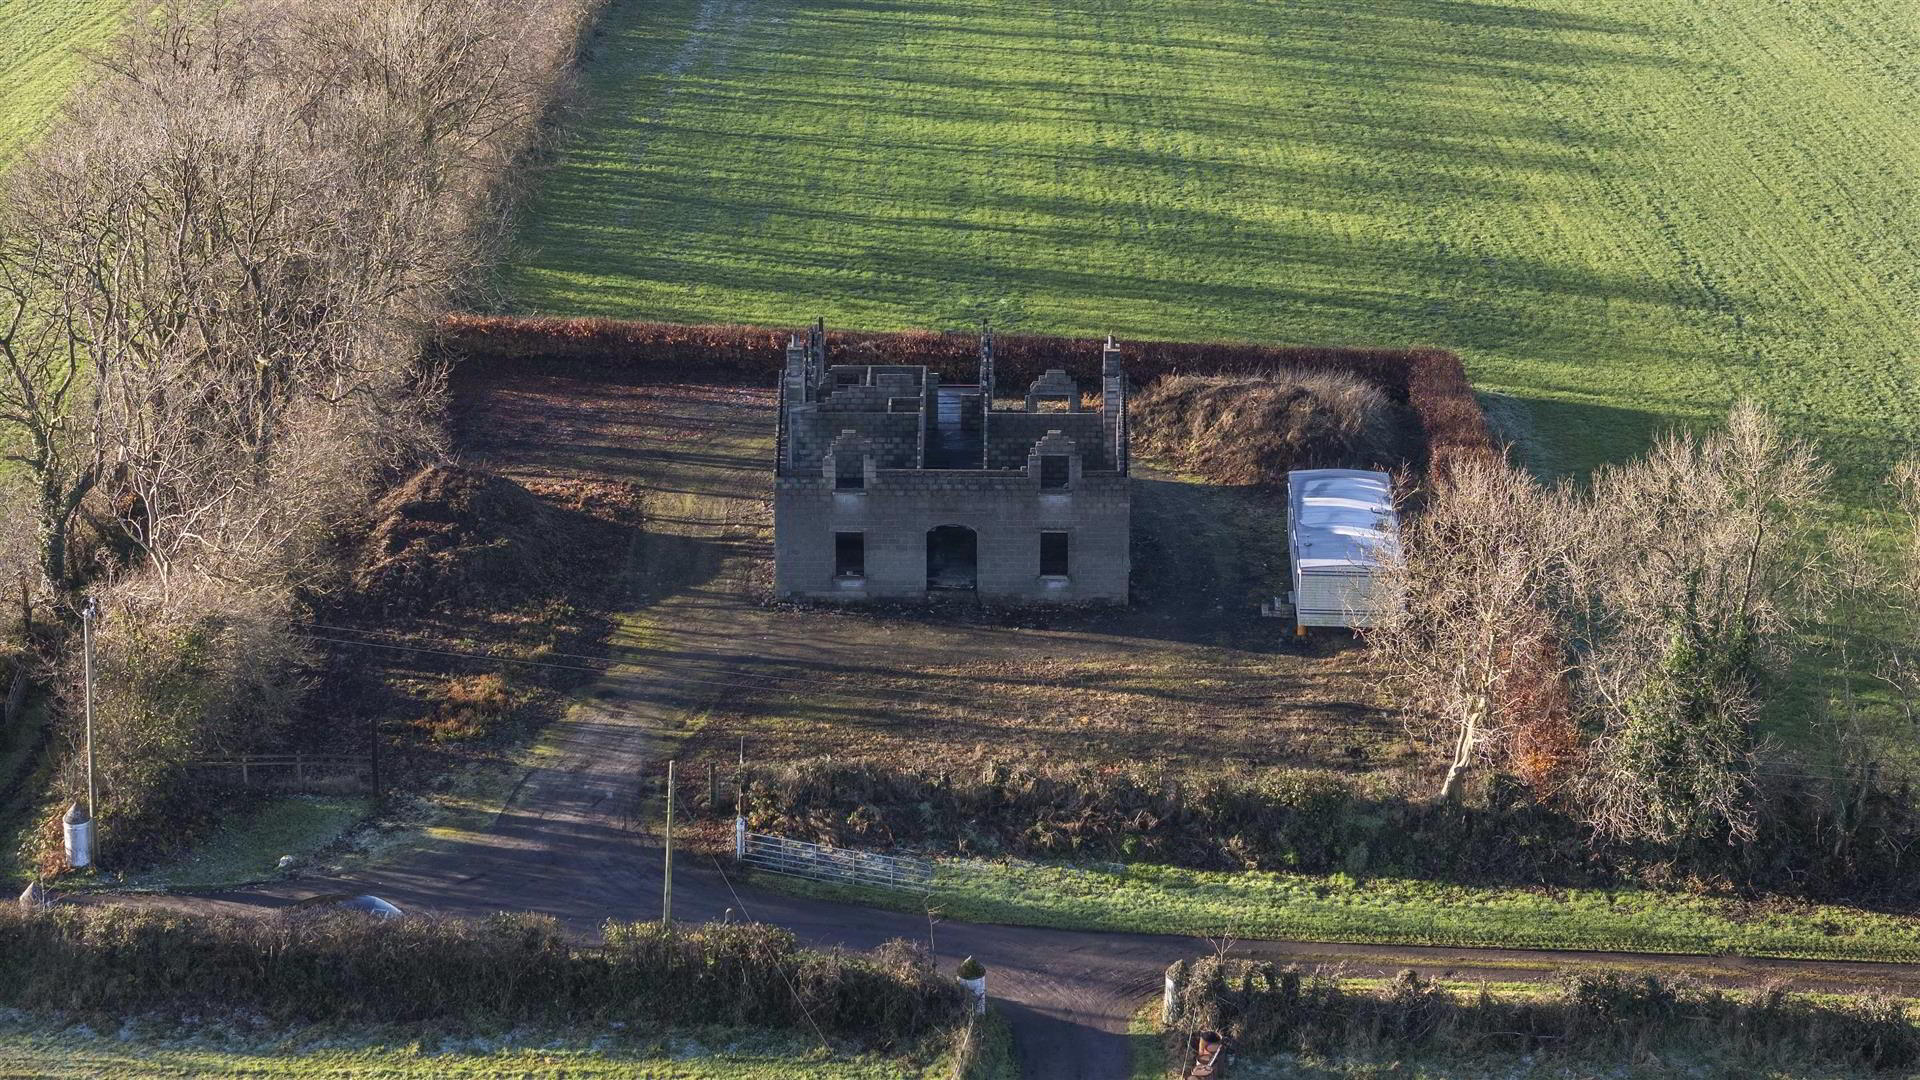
892, 484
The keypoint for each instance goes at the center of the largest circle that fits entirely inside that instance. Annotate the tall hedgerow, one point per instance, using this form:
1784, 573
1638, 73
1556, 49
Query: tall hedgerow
1263, 1008
508, 969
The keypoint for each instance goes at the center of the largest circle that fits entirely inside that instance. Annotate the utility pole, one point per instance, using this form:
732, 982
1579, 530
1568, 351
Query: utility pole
373, 755
666, 886
87, 615
740, 806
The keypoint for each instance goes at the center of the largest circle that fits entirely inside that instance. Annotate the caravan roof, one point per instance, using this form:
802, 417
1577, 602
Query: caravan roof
1340, 517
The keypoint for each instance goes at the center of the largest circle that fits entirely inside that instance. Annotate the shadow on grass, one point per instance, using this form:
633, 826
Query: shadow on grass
902, 152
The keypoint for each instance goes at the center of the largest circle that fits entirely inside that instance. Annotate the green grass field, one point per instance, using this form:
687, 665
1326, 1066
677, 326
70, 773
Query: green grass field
40, 1050
1623, 212
41, 44
1390, 911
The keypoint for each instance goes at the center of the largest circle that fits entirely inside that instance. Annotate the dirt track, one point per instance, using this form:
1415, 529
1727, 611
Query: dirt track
568, 842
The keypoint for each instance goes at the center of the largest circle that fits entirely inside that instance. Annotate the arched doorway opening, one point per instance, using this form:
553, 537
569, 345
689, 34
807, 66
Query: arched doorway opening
953, 558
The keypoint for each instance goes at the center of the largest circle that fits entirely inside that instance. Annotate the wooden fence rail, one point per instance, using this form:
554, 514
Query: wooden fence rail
299, 768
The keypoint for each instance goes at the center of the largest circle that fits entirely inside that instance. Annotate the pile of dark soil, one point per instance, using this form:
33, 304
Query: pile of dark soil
1253, 429
457, 535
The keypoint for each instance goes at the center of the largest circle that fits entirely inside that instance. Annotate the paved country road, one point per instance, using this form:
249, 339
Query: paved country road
567, 842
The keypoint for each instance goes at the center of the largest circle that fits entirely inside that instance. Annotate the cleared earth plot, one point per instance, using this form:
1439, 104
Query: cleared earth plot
1189, 676
41, 45
1623, 212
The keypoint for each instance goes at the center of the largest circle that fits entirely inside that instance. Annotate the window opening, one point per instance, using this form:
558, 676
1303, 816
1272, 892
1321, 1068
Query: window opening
1054, 547
849, 554
1054, 471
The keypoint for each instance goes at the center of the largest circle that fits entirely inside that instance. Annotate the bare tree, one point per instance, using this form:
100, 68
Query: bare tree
215, 279
18, 570
1897, 665
50, 406
1698, 563
1477, 633
232, 250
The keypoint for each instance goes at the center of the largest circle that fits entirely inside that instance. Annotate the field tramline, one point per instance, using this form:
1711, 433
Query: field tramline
1623, 213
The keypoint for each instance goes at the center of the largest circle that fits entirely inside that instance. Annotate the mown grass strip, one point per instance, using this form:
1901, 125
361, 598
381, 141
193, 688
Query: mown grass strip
248, 847
1391, 911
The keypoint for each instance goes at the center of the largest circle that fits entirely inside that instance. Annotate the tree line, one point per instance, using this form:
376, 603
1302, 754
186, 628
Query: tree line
217, 272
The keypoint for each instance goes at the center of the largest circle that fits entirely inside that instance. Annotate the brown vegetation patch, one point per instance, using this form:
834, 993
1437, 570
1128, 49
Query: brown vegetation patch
1253, 429
451, 532
476, 603
474, 705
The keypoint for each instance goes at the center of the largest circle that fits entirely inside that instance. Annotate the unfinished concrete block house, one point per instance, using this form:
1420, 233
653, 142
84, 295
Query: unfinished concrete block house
890, 484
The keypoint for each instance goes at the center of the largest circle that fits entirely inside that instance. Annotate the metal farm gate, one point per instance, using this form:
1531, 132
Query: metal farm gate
817, 862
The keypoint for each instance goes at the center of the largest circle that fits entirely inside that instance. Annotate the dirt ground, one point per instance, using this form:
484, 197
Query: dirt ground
1189, 674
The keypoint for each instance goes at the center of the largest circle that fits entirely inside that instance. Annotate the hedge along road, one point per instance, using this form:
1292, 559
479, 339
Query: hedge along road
574, 838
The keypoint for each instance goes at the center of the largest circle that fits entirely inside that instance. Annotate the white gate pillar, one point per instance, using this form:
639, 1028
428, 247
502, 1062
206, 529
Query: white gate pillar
974, 977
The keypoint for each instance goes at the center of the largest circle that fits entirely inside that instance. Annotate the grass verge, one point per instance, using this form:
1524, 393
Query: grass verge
1148, 1047
248, 847
1389, 911
59, 1051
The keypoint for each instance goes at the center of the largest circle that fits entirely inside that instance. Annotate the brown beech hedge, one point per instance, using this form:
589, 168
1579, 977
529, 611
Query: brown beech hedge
1432, 381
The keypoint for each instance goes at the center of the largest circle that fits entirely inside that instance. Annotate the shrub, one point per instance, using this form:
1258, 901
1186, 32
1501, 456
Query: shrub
1319, 822
473, 706
182, 671
1278, 819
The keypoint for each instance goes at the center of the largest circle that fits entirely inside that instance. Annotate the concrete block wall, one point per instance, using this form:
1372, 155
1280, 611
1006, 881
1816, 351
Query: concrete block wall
1011, 435
866, 399
889, 410
1053, 385
894, 438
1007, 512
